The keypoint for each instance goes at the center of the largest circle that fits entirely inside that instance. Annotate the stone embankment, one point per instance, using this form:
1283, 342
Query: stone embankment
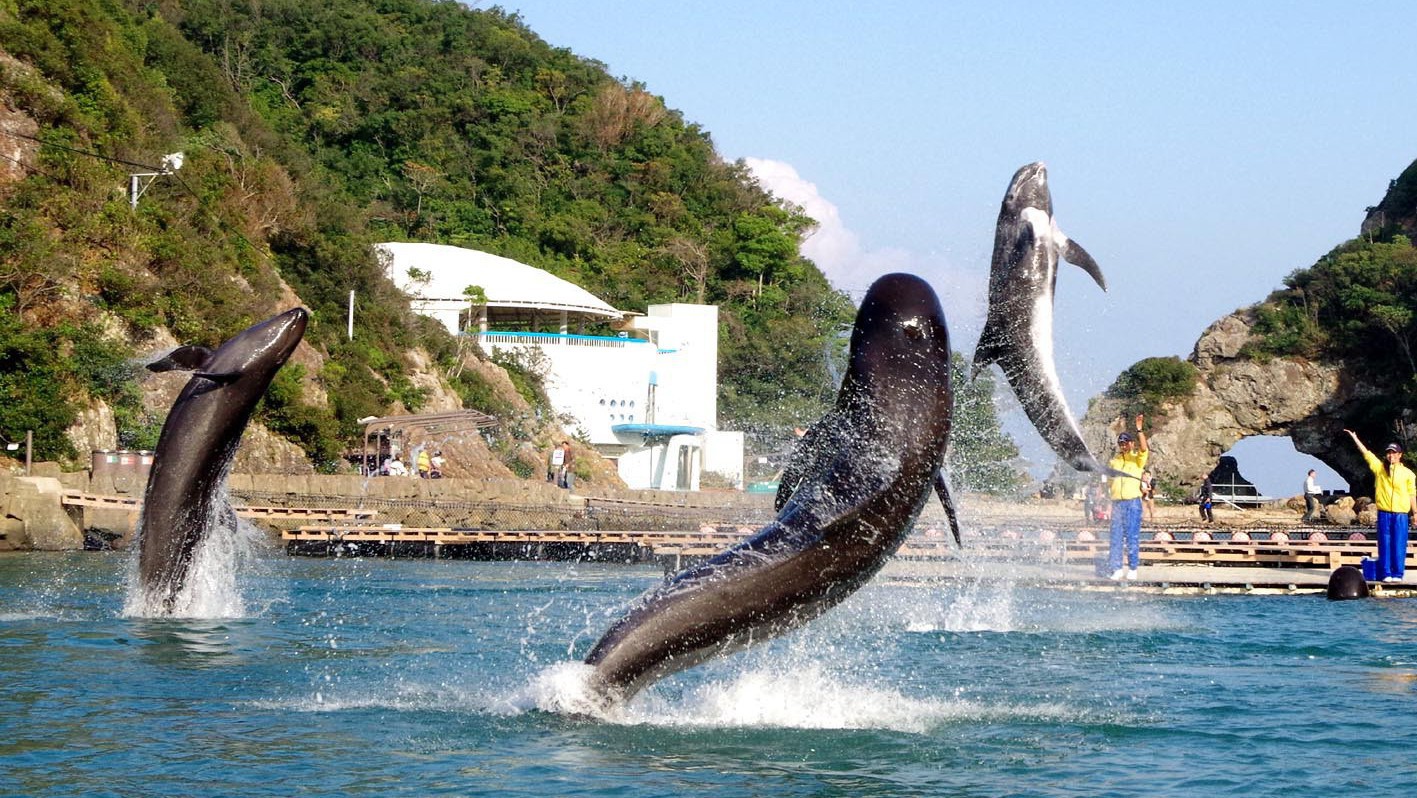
35, 516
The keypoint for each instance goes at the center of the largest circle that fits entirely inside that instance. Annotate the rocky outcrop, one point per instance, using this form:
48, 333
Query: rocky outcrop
1237, 397
34, 518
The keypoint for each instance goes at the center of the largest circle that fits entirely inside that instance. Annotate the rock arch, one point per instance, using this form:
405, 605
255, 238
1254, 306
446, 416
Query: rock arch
1238, 397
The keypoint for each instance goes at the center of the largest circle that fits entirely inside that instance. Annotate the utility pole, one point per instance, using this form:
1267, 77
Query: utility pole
136, 185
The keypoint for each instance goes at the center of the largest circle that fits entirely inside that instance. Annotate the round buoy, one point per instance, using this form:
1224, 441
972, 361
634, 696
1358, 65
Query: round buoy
1317, 537
1279, 537
1201, 537
1240, 537
1162, 537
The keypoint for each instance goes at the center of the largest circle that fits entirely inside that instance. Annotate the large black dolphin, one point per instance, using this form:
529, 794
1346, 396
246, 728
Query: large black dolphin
198, 441
877, 455
1018, 334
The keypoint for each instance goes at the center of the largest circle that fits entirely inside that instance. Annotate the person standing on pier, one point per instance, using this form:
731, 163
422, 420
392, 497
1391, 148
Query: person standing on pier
565, 477
1311, 497
1205, 500
1127, 467
1148, 497
1395, 493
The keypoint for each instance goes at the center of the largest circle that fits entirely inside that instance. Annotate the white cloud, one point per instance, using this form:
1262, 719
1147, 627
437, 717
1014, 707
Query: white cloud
850, 267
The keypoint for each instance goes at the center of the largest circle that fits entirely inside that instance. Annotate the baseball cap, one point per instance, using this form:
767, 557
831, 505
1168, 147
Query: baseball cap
1125, 437
1394, 447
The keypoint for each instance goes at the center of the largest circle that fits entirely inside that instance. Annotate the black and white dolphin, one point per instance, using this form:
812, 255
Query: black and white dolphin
1018, 334
874, 459
198, 440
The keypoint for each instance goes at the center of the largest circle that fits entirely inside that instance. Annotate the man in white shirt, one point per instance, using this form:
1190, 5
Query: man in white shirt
1311, 498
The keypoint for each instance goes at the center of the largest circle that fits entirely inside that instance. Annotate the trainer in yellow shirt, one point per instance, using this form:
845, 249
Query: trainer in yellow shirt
1395, 493
1131, 459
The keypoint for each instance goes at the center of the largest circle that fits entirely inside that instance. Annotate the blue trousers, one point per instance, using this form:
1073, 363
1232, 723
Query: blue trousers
1126, 527
1392, 544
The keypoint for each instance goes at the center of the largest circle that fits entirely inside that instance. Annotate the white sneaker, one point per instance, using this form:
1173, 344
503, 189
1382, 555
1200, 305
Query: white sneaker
1116, 575
1391, 579
1132, 574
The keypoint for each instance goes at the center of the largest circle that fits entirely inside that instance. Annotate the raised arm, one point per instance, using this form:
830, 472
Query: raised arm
1359, 443
1141, 436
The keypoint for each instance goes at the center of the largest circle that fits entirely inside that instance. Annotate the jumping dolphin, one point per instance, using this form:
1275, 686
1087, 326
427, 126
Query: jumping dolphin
198, 441
874, 460
1019, 332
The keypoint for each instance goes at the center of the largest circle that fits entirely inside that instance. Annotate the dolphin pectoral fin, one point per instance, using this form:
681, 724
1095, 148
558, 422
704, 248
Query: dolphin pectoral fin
1075, 254
942, 488
220, 378
183, 358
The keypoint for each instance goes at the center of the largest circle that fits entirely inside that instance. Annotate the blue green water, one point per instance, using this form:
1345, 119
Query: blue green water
412, 678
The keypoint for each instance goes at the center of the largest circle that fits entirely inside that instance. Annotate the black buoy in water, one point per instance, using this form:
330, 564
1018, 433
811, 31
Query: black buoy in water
1347, 582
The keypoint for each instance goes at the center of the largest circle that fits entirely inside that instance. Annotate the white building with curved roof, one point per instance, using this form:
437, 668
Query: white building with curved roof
436, 277
645, 397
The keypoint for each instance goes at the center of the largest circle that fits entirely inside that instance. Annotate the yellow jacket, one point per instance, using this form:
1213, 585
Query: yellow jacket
1133, 464
1393, 493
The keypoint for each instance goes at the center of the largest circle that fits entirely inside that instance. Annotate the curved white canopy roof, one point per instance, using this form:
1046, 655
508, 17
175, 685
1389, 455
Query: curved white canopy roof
509, 284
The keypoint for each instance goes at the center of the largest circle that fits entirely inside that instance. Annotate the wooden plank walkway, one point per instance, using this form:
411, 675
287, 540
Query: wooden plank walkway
73, 498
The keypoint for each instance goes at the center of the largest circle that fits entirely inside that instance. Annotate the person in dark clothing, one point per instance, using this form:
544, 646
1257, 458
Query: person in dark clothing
1205, 495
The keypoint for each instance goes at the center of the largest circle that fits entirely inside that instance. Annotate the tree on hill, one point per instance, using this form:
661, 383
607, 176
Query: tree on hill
982, 456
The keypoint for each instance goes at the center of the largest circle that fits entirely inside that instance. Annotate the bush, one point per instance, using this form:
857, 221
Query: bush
1152, 382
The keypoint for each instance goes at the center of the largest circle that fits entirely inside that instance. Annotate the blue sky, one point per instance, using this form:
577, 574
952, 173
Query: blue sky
1200, 151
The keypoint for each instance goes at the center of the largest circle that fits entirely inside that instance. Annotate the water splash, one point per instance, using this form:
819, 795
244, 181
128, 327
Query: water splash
213, 589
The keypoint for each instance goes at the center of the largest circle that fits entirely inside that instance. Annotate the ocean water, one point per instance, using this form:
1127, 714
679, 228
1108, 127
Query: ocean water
372, 677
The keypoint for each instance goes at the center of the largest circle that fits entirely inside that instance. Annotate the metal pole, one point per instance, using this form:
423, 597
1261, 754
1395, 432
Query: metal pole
351, 315
29, 449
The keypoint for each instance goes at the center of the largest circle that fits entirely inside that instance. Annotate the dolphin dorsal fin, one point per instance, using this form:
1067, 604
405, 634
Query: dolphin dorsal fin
183, 358
1075, 254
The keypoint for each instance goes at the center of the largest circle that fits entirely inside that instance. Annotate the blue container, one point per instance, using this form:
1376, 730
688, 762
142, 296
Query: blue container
1370, 569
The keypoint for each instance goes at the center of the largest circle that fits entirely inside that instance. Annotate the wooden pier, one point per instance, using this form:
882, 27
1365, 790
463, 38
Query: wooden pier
676, 549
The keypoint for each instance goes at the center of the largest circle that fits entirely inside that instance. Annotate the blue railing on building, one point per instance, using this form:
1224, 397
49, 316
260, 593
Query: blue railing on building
558, 339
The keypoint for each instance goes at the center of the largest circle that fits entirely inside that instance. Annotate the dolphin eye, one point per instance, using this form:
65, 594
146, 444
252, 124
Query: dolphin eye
913, 328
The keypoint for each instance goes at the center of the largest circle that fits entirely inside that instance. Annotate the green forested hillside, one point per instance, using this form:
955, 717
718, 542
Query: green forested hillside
311, 130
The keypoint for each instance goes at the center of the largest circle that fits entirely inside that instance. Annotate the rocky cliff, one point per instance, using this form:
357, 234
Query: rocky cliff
1237, 397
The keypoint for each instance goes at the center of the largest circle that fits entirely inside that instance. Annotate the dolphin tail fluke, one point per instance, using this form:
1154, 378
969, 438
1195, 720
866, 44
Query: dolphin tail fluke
1112, 472
942, 487
986, 352
1075, 254
1091, 464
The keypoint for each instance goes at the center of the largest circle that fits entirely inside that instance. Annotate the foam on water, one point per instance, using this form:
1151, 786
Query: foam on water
991, 606
768, 697
781, 694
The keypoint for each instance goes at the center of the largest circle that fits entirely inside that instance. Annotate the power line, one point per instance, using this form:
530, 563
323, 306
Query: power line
100, 156
158, 169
